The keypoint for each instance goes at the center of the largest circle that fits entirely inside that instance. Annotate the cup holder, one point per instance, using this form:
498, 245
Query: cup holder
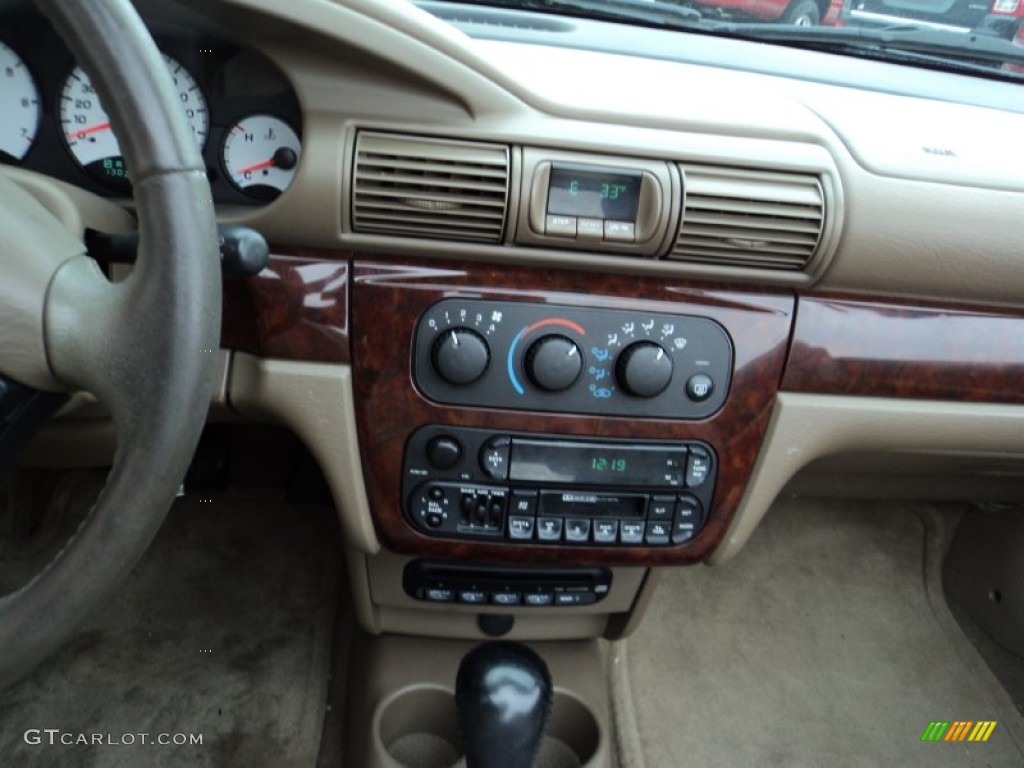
417, 727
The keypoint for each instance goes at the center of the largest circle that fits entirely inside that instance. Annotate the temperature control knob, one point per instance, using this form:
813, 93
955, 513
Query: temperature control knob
460, 356
644, 369
554, 362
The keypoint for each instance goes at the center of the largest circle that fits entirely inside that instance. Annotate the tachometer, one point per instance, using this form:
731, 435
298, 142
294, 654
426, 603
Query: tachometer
87, 128
260, 155
19, 105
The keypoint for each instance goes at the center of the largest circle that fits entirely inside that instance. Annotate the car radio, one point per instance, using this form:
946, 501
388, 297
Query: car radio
548, 489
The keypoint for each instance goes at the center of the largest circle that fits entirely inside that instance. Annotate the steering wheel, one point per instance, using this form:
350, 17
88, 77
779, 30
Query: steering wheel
146, 347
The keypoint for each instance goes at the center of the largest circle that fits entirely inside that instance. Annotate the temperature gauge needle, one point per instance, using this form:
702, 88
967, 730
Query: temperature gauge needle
256, 167
86, 131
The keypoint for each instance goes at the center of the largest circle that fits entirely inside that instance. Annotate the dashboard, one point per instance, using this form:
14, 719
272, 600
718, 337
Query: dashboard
681, 299
241, 108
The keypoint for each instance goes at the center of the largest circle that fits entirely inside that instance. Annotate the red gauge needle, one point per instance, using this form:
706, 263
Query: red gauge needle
86, 131
256, 167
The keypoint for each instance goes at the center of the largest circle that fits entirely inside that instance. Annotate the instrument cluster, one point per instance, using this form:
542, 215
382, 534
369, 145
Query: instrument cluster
243, 112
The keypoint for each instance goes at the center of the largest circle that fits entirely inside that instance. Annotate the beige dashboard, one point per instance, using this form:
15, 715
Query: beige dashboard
915, 206
914, 195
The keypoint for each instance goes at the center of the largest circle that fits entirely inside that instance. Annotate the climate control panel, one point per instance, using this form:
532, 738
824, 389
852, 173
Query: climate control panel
543, 357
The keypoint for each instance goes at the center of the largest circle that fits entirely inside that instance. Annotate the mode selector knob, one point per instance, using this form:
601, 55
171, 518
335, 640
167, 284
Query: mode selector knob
553, 362
644, 369
460, 356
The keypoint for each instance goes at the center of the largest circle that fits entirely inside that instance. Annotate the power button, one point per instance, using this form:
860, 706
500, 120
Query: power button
444, 452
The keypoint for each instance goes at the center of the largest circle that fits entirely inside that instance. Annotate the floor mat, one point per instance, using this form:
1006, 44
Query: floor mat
826, 642
223, 632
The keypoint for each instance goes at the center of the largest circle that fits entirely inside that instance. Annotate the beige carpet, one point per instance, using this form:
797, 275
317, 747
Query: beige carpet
826, 642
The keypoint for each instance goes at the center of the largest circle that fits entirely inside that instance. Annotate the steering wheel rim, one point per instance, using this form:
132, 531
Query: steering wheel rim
145, 347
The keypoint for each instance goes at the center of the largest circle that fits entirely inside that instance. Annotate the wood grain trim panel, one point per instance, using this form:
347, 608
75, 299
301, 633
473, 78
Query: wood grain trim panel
387, 300
846, 346
295, 309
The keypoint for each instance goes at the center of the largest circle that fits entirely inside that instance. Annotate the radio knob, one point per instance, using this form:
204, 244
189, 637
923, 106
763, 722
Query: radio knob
644, 369
553, 362
460, 356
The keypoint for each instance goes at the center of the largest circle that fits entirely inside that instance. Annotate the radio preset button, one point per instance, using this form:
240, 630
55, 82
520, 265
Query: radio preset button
631, 533
520, 528
549, 529
539, 598
577, 530
506, 598
606, 531
474, 596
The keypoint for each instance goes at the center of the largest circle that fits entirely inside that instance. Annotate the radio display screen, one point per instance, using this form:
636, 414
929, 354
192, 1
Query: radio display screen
591, 192
595, 464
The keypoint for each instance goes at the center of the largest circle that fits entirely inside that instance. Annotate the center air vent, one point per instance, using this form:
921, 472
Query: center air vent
750, 218
430, 188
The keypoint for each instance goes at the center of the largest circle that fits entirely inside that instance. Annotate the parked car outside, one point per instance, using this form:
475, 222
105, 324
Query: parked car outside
999, 18
801, 13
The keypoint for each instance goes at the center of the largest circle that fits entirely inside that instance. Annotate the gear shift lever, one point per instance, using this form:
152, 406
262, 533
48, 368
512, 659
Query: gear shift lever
503, 697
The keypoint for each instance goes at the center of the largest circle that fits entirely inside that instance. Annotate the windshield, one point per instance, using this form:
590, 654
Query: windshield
977, 37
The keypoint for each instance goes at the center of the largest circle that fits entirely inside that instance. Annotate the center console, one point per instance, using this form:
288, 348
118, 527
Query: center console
569, 418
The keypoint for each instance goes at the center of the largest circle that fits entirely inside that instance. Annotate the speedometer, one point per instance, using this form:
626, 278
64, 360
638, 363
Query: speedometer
86, 126
19, 105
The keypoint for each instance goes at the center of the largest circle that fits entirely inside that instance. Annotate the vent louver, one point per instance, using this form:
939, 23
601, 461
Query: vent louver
432, 188
750, 218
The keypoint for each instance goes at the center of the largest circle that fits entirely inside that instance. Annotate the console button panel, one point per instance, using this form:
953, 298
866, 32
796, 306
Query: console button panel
541, 357
548, 489
452, 582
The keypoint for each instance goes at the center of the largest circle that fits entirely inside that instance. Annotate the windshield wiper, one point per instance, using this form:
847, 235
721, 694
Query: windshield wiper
937, 44
967, 52
650, 12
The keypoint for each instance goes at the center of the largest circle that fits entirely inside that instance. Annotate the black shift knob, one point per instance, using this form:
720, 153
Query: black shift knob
503, 696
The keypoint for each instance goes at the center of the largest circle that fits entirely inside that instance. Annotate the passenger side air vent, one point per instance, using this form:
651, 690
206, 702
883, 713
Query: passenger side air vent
749, 218
432, 188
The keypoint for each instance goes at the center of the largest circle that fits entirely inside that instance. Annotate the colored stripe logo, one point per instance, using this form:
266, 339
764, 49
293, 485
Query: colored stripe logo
958, 730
